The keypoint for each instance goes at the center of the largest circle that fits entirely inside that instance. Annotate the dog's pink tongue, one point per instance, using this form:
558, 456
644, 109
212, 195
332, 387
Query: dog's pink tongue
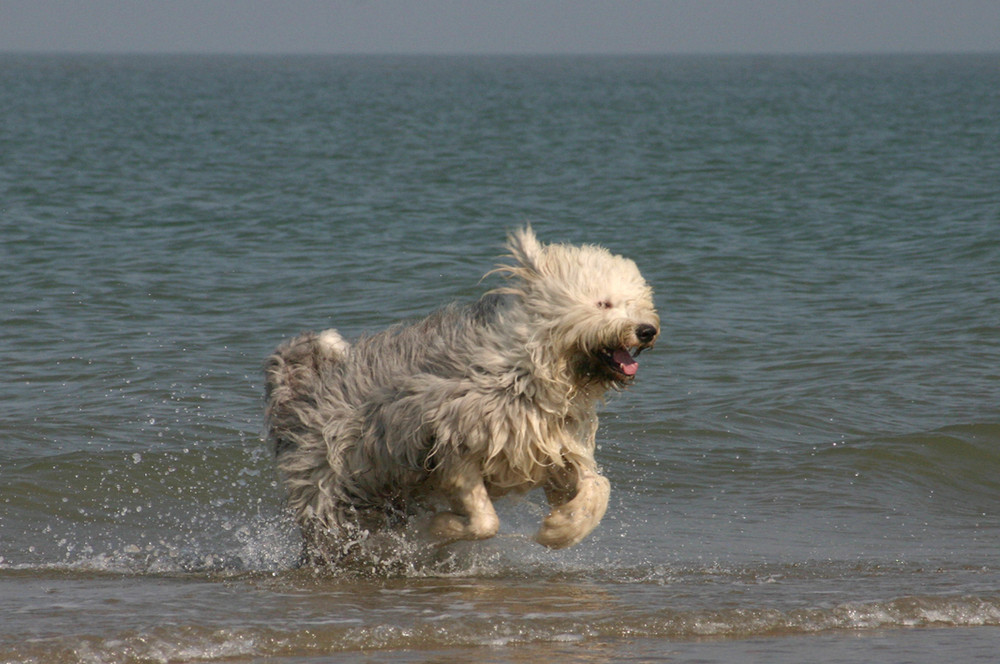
627, 362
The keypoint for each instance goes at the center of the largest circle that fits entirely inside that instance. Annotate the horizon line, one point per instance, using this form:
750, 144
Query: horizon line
493, 54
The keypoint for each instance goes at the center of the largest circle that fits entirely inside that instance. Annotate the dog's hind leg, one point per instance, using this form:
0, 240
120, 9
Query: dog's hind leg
295, 375
473, 516
579, 498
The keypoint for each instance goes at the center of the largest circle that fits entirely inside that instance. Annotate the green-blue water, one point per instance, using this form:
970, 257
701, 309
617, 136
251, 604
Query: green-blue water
808, 467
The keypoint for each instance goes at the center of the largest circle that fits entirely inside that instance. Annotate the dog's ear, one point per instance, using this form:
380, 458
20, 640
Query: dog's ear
525, 248
529, 256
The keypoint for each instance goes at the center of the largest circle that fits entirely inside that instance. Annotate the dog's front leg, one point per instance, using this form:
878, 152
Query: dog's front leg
579, 498
473, 516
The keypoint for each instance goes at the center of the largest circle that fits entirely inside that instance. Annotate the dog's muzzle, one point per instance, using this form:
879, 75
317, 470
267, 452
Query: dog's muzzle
619, 361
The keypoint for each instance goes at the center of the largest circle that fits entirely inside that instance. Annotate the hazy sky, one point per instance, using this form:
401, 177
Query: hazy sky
500, 26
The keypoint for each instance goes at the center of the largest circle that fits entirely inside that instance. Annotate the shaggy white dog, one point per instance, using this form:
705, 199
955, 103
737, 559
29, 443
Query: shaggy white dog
465, 405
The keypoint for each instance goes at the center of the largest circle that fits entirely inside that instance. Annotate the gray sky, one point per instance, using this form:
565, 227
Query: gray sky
500, 26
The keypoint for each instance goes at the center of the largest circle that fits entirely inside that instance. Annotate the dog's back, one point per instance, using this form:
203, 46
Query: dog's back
338, 414
313, 368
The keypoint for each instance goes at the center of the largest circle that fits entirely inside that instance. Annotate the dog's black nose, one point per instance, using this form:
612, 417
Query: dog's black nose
645, 333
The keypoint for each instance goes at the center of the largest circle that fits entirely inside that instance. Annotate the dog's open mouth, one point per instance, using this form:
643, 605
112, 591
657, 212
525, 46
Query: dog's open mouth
621, 362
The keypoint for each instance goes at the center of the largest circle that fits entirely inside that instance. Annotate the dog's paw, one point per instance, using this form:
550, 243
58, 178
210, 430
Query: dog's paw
569, 523
448, 526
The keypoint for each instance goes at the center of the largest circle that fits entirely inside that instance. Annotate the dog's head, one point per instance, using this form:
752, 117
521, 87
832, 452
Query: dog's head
591, 311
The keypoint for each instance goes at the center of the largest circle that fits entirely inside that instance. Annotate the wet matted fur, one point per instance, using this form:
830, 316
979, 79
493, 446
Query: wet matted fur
468, 404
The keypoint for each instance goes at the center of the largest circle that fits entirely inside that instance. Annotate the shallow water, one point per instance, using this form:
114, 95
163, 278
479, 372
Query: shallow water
807, 467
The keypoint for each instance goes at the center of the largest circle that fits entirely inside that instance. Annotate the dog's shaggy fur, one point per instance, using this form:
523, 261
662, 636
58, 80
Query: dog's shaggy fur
465, 405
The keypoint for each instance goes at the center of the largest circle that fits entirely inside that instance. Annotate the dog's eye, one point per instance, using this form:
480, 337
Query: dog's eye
604, 304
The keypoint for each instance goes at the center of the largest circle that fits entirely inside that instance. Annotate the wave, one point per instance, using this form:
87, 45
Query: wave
219, 582
963, 457
952, 455
220, 508
955, 469
158, 510
487, 623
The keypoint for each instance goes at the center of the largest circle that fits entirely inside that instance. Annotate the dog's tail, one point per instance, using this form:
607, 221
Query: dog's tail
294, 378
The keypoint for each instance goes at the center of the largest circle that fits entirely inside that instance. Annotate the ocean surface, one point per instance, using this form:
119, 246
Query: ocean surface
807, 468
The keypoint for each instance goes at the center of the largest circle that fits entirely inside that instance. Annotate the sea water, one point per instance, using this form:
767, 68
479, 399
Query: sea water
806, 469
